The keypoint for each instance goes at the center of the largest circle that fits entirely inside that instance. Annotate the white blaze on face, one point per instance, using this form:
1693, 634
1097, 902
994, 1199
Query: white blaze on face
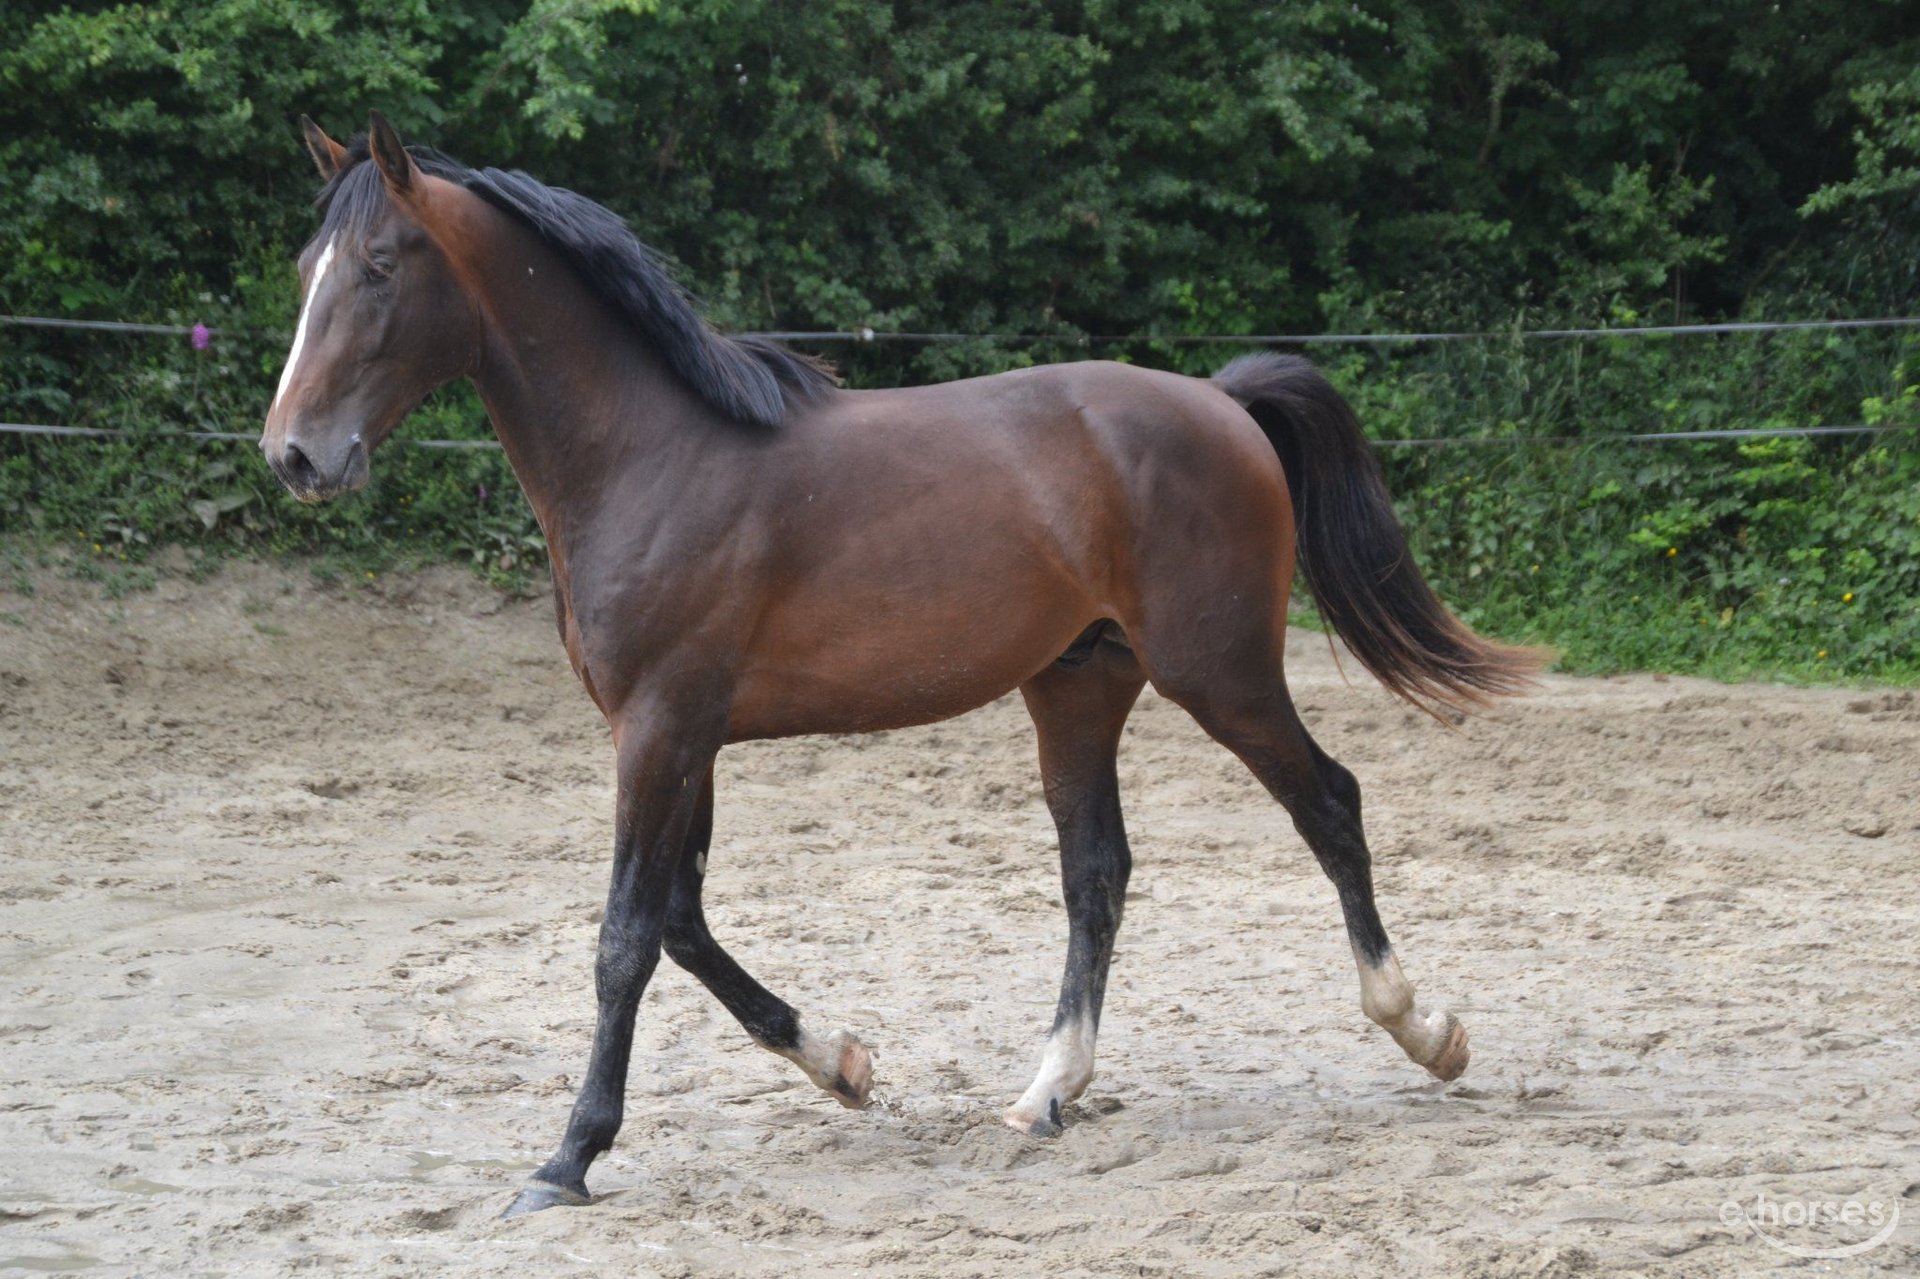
300, 330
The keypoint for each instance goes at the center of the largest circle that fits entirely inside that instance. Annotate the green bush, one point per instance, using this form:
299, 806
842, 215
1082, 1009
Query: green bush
1154, 168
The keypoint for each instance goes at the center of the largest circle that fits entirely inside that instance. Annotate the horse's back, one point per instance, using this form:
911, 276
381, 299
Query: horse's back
1092, 431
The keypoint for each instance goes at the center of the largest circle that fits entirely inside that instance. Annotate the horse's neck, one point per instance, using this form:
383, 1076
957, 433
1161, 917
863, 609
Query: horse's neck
575, 398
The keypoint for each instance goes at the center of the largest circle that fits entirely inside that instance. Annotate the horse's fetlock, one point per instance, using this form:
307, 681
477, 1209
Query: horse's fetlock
1386, 996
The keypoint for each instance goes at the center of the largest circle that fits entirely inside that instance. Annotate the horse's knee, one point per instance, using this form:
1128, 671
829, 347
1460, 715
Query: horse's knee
1095, 893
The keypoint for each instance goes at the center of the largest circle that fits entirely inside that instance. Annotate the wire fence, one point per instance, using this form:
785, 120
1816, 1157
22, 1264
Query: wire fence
1497, 441
1077, 339
202, 333
108, 433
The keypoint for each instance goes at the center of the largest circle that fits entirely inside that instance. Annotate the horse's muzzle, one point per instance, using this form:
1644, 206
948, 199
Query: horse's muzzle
313, 473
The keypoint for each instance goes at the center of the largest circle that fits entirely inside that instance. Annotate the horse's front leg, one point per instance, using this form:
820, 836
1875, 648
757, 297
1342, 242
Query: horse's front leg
664, 759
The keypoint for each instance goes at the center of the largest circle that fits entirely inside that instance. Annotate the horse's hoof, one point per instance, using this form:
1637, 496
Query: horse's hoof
854, 1076
1451, 1061
544, 1194
1049, 1124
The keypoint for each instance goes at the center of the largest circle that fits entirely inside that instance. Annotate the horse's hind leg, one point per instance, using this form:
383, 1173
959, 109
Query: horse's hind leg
1079, 714
840, 1064
1253, 716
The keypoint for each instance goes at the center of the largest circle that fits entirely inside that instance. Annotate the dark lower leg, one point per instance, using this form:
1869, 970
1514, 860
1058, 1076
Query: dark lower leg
1079, 714
1324, 801
651, 827
1326, 812
1330, 823
839, 1063
1094, 865
628, 953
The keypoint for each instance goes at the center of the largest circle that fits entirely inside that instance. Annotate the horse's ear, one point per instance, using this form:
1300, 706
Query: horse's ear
328, 156
396, 166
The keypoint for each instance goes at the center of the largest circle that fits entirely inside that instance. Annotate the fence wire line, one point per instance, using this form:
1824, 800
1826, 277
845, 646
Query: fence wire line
1274, 339
1508, 441
1174, 339
102, 432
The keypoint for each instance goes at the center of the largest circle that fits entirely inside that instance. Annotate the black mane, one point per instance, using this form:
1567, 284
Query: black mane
747, 378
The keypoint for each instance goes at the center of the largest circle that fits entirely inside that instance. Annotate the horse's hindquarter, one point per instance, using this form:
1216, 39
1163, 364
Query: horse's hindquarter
934, 548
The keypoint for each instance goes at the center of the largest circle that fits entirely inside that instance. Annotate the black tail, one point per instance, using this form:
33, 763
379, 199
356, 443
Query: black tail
1351, 549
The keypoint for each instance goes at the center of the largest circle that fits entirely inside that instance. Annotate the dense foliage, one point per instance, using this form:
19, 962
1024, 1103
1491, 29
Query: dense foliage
1125, 170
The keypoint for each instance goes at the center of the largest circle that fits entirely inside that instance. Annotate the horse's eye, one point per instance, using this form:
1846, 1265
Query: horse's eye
379, 268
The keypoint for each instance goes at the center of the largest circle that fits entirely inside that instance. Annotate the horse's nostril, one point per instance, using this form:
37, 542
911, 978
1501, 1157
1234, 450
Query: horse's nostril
300, 467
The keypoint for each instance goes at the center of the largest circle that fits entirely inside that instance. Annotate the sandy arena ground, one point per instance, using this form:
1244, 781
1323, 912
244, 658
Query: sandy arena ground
298, 889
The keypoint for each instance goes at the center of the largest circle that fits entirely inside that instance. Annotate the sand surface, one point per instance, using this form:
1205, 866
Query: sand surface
298, 888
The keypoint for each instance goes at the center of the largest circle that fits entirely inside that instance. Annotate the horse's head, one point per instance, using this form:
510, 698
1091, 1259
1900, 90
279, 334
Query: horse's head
384, 318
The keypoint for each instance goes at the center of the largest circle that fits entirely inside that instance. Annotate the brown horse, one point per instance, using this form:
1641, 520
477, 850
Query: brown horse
741, 550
